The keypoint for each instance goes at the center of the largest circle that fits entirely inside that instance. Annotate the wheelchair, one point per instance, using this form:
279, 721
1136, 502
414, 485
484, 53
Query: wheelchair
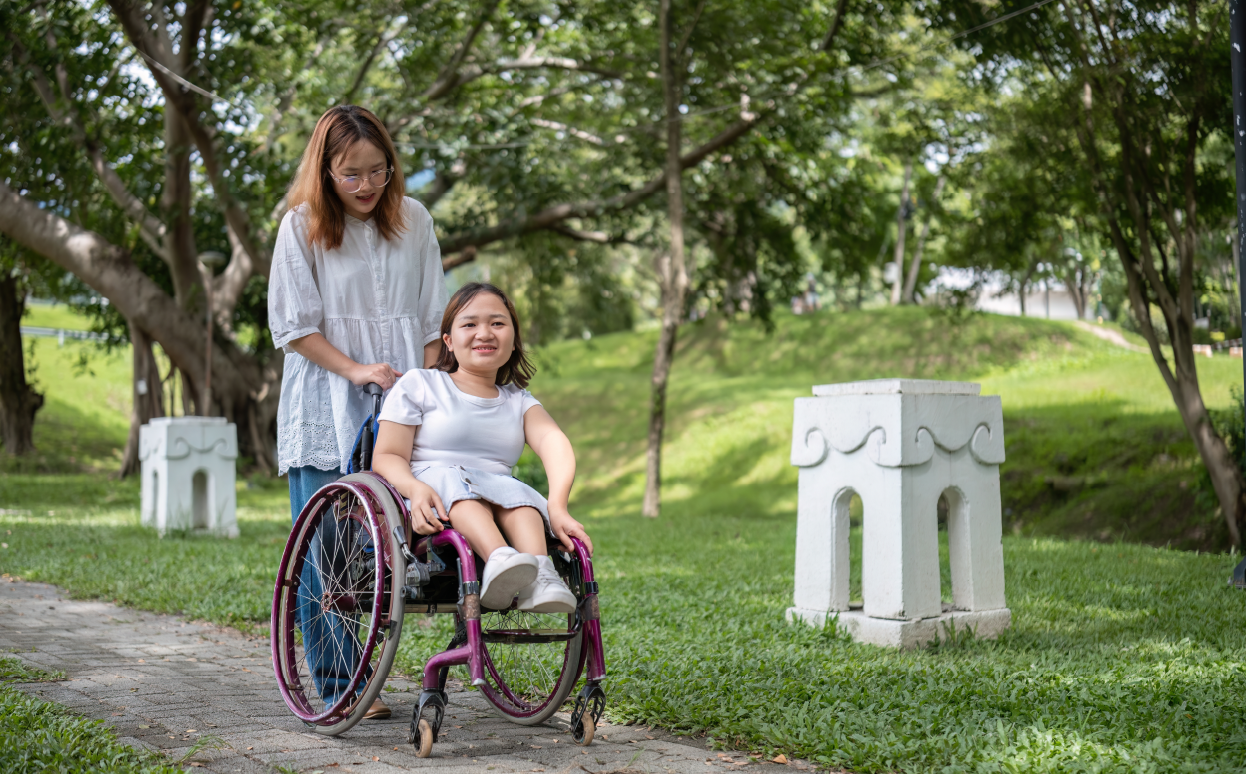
352, 565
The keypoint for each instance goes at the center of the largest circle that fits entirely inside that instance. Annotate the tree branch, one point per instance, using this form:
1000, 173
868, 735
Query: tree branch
840, 12
448, 78
109, 271
151, 229
555, 215
467, 255
531, 63
553, 63
198, 14
382, 41
228, 286
443, 182
597, 237
692, 25
186, 104
571, 130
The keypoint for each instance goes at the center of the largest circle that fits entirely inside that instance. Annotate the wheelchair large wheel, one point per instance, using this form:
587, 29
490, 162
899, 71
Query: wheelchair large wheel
532, 661
336, 620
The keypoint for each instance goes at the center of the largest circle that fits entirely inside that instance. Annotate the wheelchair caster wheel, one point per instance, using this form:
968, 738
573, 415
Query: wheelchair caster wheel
589, 706
423, 739
583, 734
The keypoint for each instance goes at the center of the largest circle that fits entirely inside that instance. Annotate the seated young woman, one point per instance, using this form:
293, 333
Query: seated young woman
449, 437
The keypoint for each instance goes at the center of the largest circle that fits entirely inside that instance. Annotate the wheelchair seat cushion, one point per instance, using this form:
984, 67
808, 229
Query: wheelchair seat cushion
453, 483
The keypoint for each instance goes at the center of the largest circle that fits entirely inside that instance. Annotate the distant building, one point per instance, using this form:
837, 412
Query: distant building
1054, 303
1049, 299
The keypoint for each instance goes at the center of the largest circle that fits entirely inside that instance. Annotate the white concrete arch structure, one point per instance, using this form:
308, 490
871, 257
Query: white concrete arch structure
188, 470
900, 444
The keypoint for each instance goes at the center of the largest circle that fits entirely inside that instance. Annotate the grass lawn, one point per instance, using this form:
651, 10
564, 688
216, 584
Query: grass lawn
85, 417
54, 316
1122, 656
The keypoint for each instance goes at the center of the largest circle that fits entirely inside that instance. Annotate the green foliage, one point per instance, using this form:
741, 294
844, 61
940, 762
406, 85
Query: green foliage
37, 737
14, 670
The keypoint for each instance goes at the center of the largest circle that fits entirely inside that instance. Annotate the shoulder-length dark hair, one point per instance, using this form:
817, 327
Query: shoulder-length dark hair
518, 370
337, 130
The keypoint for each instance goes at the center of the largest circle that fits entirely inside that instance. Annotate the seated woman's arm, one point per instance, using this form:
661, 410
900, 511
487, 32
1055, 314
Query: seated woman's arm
392, 459
554, 448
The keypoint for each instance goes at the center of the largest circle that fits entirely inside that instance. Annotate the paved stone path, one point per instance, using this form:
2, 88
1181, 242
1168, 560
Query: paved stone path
162, 682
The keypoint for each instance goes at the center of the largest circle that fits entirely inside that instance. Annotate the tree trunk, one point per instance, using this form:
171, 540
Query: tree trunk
1075, 281
243, 380
1181, 375
147, 393
910, 284
663, 357
1226, 476
1025, 283
901, 219
672, 270
18, 401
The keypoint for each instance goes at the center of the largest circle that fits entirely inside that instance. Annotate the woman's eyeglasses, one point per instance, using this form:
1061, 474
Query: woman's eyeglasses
352, 183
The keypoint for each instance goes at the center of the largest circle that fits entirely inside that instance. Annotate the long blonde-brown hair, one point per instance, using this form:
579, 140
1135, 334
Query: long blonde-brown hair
337, 130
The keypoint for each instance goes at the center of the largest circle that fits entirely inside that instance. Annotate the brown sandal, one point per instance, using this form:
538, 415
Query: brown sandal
378, 711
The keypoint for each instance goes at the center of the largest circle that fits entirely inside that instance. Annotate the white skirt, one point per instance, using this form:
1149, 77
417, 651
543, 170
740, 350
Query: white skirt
453, 483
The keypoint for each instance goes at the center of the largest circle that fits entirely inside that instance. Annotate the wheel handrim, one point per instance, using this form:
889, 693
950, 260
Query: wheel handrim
353, 568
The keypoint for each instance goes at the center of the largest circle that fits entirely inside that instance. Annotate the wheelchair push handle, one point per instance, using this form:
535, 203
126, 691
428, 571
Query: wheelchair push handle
374, 389
366, 435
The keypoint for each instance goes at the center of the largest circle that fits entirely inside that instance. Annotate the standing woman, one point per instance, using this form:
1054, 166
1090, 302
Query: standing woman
355, 296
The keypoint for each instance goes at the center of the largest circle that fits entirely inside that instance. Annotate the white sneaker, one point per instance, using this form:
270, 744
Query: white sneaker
506, 572
546, 594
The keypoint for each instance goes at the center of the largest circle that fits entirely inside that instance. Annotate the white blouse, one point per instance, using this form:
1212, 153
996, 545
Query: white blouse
376, 300
458, 429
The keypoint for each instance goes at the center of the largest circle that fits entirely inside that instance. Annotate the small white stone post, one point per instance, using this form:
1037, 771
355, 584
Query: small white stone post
188, 469
899, 444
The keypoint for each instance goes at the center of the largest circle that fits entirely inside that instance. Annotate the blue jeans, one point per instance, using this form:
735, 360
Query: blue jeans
329, 641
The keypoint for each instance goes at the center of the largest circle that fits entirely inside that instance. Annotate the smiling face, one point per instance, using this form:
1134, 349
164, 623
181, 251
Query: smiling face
361, 160
482, 336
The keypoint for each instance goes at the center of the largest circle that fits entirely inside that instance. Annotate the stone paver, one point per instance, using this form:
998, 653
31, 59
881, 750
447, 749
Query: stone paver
162, 682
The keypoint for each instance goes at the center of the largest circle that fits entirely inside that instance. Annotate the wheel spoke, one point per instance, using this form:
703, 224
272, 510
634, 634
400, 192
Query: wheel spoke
526, 670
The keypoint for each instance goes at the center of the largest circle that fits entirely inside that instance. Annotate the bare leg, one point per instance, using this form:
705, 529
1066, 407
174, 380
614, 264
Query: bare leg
525, 528
474, 518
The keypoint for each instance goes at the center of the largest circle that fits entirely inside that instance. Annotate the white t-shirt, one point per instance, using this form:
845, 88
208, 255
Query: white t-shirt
457, 428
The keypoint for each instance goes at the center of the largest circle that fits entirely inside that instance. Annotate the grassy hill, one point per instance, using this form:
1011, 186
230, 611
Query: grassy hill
1094, 446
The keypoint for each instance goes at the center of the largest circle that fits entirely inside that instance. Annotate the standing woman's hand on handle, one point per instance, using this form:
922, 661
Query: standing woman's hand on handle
316, 348
381, 373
